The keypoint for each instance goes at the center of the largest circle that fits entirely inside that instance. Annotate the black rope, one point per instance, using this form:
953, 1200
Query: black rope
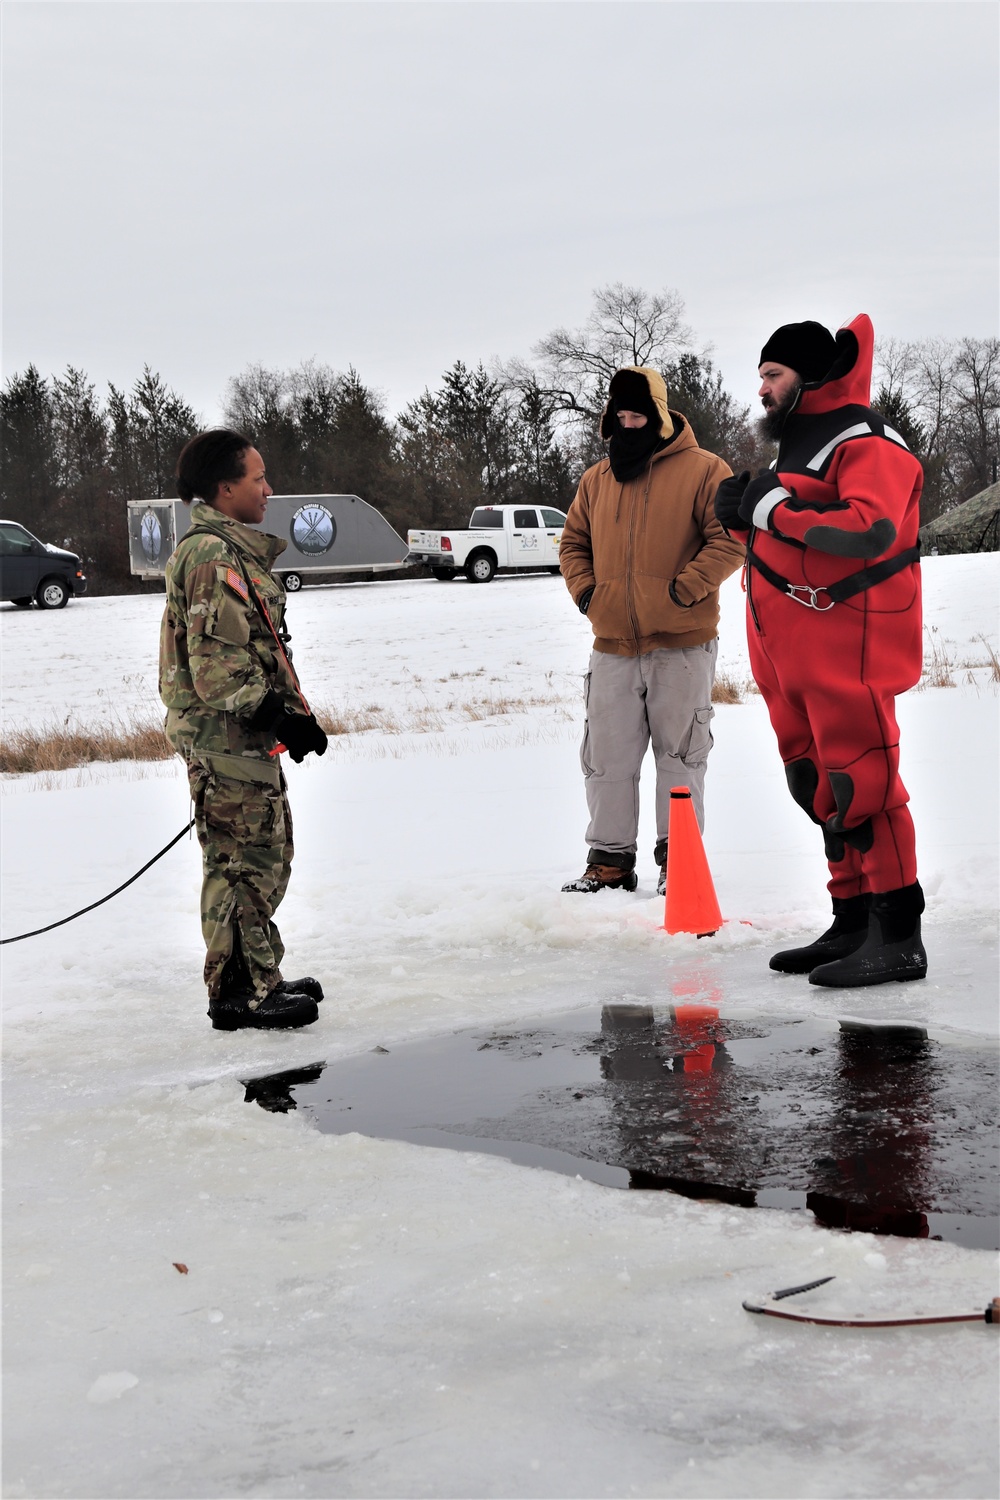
83, 910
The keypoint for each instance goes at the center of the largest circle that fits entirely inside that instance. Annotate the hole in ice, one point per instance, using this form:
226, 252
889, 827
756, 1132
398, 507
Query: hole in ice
868, 1127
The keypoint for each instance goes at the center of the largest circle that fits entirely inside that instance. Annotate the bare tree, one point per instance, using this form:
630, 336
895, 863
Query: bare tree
976, 410
262, 403
626, 326
894, 360
256, 399
949, 391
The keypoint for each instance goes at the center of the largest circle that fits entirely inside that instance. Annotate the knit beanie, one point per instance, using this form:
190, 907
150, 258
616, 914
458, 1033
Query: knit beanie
629, 391
807, 348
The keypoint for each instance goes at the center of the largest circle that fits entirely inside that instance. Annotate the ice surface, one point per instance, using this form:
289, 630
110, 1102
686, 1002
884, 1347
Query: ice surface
364, 1317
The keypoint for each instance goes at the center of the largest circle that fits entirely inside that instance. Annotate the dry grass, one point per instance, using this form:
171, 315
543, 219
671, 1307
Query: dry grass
938, 667
428, 719
727, 688
497, 705
55, 748
993, 661
338, 721
941, 662
51, 748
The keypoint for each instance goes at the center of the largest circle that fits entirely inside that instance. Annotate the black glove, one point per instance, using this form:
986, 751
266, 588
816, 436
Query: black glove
728, 497
767, 487
583, 603
299, 733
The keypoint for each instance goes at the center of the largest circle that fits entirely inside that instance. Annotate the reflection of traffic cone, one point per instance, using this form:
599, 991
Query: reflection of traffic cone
692, 905
698, 1061
696, 1026
687, 1016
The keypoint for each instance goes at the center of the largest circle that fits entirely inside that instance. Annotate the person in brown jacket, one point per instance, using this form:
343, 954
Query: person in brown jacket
643, 557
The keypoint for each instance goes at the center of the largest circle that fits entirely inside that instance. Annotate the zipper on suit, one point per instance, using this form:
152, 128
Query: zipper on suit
753, 532
749, 582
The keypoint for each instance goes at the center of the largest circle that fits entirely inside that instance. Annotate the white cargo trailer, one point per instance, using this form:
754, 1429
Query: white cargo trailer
325, 534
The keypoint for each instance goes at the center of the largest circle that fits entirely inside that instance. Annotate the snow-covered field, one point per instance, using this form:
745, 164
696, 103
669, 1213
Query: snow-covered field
371, 1318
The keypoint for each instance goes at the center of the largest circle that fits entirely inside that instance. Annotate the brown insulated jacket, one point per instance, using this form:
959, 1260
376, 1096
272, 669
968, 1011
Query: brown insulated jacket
651, 546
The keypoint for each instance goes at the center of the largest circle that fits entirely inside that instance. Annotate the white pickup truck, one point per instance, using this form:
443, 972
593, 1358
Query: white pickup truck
499, 536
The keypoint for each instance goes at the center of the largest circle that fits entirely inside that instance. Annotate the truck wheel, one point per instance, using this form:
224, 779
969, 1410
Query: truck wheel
22, 603
443, 575
292, 582
52, 594
480, 568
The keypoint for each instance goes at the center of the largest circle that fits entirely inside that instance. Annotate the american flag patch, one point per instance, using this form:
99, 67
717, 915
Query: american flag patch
237, 583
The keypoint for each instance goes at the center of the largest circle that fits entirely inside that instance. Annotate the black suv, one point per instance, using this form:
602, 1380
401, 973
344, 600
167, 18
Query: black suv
34, 570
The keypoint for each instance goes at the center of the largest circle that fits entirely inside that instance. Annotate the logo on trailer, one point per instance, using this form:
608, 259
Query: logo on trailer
313, 529
151, 536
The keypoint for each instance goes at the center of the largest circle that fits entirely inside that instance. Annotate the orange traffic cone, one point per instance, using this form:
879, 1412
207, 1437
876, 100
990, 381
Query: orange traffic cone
692, 905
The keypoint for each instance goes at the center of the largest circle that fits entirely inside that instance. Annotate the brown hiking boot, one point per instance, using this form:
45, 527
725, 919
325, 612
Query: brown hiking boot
660, 855
604, 878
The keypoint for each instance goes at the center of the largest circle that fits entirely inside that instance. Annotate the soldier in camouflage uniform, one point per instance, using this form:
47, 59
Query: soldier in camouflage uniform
232, 698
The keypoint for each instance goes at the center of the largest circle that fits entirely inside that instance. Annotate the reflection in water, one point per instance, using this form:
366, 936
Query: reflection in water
274, 1093
871, 1128
663, 1120
873, 1174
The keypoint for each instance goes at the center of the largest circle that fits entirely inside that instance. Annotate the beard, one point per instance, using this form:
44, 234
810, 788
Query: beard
771, 424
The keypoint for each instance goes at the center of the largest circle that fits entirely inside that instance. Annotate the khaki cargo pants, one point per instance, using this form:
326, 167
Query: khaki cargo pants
664, 696
245, 832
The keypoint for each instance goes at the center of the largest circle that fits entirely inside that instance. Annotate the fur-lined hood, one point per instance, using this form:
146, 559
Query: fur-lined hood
657, 394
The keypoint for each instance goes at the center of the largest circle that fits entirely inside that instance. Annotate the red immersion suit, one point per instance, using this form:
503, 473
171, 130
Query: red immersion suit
847, 509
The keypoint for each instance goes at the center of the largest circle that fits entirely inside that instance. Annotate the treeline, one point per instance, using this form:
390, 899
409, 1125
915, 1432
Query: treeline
472, 439
71, 461
523, 430
943, 396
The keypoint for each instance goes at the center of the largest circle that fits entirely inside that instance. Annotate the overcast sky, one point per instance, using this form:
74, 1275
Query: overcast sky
400, 185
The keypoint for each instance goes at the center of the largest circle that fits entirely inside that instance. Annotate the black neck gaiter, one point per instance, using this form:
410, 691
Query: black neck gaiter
631, 448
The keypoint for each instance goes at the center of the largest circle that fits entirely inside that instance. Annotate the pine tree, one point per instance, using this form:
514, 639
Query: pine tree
28, 462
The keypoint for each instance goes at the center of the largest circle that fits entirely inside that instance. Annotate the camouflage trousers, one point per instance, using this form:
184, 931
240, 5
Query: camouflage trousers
245, 832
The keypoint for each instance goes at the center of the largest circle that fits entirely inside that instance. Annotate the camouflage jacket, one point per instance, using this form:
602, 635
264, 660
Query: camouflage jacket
217, 655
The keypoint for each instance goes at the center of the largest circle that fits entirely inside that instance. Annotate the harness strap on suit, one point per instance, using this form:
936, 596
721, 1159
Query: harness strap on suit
844, 588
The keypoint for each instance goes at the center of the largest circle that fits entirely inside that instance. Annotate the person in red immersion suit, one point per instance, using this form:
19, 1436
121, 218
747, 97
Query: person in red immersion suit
834, 627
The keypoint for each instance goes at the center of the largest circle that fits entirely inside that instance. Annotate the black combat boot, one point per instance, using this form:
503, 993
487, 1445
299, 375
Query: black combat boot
847, 933
892, 948
606, 871
660, 855
282, 1009
277, 1011
307, 986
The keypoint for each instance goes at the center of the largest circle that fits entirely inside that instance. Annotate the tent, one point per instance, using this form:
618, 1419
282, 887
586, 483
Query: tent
972, 526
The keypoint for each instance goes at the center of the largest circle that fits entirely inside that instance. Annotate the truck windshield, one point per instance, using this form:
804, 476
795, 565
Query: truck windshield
485, 517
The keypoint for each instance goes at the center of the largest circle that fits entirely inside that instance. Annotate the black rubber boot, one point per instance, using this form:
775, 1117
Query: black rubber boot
282, 1009
307, 986
846, 934
606, 871
660, 855
892, 948
279, 1011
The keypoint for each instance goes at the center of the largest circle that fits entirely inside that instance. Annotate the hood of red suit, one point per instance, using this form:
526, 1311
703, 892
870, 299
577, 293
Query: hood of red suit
849, 379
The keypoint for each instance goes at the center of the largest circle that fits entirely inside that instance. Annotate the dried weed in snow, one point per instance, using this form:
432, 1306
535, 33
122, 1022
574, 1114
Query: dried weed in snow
54, 748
